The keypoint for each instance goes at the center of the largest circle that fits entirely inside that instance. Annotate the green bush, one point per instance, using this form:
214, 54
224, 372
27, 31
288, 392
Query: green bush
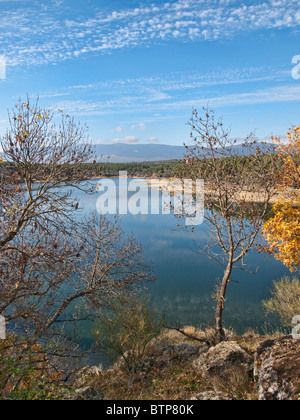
126, 331
285, 300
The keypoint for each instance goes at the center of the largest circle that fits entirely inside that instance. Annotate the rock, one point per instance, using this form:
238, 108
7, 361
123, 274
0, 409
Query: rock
210, 396
160, 348
277, 369
164, 352
88, 394
223, 359
189, 352
85, 375
161, 353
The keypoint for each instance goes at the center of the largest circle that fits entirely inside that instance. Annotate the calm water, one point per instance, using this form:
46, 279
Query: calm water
186, 280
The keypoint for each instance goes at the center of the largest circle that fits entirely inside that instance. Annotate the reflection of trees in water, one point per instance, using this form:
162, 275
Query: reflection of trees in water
198, 311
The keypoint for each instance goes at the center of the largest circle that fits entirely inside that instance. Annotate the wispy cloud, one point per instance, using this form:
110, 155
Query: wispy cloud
279, 94
35, 33
159, 89
178, 90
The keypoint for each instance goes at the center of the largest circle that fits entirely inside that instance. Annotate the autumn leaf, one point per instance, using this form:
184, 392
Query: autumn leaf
282, 232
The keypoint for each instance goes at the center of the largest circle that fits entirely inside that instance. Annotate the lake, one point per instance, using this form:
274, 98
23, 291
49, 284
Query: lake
186, 280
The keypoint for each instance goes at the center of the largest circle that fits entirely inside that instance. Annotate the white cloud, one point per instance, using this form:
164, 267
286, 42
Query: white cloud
127, 140
142, 126
41, 33
153, 140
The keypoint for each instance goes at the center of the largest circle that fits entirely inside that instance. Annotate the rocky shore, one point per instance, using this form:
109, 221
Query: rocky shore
232, 370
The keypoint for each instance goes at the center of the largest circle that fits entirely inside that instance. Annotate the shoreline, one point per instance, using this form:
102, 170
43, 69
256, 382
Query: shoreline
247, 196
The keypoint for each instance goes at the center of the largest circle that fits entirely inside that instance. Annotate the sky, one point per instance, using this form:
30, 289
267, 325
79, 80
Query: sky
133, 70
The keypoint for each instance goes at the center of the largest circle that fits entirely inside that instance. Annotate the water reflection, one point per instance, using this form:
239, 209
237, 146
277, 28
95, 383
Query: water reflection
186, 280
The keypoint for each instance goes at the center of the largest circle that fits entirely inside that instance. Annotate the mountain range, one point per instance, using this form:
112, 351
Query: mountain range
126, 153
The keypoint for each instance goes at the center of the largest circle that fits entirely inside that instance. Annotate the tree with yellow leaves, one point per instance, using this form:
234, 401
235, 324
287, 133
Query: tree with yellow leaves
282, 231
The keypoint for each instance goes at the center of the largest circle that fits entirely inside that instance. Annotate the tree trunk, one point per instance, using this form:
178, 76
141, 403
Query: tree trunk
221, 336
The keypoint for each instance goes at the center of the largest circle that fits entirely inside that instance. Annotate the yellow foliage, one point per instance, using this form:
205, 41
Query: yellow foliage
282, 232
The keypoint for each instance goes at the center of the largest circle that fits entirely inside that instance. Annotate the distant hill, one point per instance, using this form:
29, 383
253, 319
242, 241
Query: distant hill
126, 153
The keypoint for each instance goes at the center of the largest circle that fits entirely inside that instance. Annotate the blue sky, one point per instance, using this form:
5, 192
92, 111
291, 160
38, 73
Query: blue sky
133, 70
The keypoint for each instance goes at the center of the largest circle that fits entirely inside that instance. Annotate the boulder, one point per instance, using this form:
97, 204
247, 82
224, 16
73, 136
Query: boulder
223, 359
160, 349
277, 369
189, 352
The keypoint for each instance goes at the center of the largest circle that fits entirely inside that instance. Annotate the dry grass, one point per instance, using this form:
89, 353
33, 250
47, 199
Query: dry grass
237, 385
174, 337
179, 380
250, 340
209, 334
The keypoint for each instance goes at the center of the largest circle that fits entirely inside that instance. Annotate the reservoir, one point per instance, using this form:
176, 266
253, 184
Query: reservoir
186, 279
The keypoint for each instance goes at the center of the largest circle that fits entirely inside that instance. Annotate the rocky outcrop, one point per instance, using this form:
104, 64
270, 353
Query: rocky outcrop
166, 352
277, 369
83, 390
161, 353
223, 359
85, 375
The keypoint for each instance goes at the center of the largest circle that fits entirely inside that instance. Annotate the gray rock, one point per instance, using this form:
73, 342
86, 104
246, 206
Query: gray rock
223, 359
189, 352
161, 348
166, 352
85, 375
277, 369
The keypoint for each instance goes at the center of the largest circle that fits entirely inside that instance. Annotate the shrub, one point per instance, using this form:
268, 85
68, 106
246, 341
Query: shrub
285, 300
127, 329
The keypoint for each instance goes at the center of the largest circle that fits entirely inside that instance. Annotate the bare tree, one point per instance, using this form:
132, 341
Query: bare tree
56, 269
40, 157
238, 192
